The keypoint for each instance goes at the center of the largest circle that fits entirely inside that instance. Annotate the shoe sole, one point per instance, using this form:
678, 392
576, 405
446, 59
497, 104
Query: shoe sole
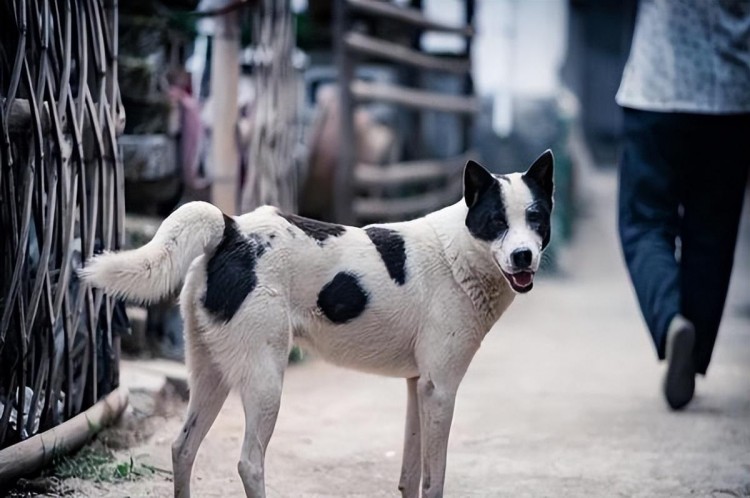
679, 383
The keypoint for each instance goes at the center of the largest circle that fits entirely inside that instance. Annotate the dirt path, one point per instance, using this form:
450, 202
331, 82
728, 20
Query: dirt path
562, 400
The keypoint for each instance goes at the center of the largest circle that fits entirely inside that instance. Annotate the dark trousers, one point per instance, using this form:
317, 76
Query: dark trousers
682, 183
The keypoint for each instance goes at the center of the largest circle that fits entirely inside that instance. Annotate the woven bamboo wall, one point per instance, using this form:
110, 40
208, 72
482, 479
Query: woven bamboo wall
61, 200
270, 152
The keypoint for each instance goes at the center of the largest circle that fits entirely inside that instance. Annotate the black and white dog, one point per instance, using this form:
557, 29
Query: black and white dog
411, 300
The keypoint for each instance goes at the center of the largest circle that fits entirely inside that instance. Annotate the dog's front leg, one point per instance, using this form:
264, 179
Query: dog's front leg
436, 402
410, 468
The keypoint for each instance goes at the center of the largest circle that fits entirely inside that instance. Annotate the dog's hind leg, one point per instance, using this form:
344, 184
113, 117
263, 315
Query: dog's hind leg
411, 463
261, 398
208, 389
261, 401
207, 394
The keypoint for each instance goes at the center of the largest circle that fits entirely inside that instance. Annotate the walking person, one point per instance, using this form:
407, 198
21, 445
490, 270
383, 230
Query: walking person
685, 92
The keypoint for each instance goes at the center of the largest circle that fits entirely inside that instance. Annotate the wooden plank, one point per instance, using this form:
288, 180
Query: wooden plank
408, 16
407, 207
409, 172
369, 45
418, 99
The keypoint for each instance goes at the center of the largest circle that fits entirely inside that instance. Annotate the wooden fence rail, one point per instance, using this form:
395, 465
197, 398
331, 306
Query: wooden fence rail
424, 178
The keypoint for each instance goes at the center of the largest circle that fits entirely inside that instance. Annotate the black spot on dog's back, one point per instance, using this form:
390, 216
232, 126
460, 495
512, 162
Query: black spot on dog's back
390, 245
318, 230
343, 298
231, 271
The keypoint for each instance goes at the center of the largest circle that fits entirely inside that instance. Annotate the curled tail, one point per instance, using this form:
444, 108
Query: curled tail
157, 269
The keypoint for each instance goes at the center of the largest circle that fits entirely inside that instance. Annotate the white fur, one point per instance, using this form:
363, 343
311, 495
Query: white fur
426, 330
518, 198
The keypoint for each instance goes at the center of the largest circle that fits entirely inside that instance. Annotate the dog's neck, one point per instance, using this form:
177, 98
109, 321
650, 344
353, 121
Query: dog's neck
471, 262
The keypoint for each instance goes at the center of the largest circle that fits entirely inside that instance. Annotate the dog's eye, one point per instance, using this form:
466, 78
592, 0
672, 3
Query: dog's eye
534, 217
500, 224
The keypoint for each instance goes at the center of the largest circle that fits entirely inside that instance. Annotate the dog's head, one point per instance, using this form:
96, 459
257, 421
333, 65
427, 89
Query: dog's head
511, 214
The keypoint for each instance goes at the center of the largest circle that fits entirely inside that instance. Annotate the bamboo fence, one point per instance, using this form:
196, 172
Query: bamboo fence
61, 200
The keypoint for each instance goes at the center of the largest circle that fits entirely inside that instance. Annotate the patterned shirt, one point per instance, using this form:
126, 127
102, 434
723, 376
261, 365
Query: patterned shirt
689, 56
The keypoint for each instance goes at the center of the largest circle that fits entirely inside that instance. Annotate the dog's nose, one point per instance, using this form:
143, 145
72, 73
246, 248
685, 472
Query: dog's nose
521, 258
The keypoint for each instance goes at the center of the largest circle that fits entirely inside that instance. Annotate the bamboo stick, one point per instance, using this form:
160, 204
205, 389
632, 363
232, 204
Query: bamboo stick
34, 453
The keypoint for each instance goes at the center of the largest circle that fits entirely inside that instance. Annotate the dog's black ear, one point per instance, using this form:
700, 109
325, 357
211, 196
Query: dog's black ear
542, 172
476, 181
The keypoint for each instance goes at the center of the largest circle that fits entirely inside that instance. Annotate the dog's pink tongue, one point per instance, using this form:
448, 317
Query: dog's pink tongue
523, 279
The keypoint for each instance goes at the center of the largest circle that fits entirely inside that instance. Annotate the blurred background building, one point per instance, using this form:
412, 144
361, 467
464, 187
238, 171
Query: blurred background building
350, 111
427, 85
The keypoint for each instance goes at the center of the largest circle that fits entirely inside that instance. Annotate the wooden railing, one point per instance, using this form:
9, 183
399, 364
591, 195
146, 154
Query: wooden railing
391, 192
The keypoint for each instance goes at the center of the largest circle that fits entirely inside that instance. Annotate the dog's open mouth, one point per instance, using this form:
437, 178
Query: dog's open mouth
521, 281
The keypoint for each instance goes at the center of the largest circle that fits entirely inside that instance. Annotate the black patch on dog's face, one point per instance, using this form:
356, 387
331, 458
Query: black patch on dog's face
486, 219
343, 298
318, 230
231, 271
390, 245
539, 180
538, 217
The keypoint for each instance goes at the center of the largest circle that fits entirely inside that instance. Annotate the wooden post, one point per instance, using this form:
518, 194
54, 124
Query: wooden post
343, 185
468, 83
412, 77
225, 68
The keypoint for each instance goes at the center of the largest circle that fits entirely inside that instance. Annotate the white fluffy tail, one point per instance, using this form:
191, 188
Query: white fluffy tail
157, 269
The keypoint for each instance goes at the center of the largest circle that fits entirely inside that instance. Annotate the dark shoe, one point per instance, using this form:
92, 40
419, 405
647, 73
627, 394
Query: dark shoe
679, 381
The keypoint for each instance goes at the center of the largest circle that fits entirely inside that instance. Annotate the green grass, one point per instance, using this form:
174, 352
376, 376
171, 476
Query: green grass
100, 466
